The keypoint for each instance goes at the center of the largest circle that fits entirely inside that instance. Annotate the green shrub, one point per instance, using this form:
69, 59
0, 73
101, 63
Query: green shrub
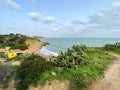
19, 46
2, 55
21, 40
30, 70
113, 47
15, 41
73, 57
6, 75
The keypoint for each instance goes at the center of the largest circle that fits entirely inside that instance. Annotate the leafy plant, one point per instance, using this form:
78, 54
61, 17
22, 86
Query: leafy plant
73, 57
113, 47
2, 55
15, 41
6, 75
30, 70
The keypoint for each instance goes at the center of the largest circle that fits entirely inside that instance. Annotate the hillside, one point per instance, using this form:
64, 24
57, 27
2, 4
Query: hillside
22, 42
75, 69
34, 45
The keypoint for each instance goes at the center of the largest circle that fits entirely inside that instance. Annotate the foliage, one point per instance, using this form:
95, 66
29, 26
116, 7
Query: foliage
15, 41
73, 57
30, 70
6, 75
2, 55
113, 47
90, 65
85, 74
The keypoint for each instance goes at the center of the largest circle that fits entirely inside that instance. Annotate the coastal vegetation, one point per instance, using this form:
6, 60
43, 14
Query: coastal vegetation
15, 41
7, 73
30, 71
82, 71
79, 64
73, 57
113, 47
2, 55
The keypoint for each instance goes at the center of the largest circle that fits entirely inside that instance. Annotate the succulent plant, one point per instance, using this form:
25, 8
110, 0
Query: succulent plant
72, 57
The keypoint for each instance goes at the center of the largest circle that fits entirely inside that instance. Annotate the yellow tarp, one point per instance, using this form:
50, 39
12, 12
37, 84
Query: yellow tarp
7, 48
12, 55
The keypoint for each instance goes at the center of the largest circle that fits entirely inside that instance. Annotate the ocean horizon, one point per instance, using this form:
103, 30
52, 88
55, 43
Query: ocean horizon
61, 44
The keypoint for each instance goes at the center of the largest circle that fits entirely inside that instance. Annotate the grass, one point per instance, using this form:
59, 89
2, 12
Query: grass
3, 86
1, 46
83, 75
80, 77
34, 70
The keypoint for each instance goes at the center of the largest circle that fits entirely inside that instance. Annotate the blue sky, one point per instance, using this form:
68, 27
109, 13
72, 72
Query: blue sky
61, 18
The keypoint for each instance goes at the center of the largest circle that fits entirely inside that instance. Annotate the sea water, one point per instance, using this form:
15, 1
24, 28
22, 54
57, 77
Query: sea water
61, 44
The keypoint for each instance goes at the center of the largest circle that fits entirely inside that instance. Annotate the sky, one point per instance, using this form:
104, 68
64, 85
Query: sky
61, 18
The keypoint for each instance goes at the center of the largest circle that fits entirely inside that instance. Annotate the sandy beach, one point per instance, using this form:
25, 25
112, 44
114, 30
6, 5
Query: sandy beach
34, 46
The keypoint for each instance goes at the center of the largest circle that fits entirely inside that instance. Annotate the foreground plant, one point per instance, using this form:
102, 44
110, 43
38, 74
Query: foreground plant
72, 57
113, 47
30, 70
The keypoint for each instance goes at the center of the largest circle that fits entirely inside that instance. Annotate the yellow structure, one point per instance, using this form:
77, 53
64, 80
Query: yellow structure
7, 48
11, 55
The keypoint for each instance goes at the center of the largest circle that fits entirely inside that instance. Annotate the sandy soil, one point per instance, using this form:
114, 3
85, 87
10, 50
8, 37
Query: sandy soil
34, 46
2, 50
53, 85
111, 80
11, 86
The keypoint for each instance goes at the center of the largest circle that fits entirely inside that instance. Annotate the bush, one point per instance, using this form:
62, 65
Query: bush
73, 57
19, 46
6, 75
13, 41
30, 70
112, 47
2, 55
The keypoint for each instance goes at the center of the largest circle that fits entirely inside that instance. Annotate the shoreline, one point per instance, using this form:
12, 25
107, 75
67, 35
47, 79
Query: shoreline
34, 46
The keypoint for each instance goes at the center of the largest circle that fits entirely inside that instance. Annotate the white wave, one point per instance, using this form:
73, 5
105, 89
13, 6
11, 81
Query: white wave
47, 52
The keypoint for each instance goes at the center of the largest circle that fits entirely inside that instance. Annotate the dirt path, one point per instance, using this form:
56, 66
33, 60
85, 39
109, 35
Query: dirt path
111, 80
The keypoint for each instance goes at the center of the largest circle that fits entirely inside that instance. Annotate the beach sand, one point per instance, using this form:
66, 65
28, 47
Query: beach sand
34, 46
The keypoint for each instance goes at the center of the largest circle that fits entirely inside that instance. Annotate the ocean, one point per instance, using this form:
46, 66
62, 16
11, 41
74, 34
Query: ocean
61, 44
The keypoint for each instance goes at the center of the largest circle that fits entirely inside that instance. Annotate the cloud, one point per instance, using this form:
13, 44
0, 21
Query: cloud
107, 20
6, 26
77, 22
116, 4
41, 18
48, 19
35, 16
9, 26
55, 29
102, 24
10, 4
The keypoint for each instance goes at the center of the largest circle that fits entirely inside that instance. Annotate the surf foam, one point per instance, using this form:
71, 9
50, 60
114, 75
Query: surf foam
47, 52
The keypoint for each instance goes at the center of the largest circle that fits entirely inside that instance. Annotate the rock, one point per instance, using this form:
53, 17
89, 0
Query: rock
53, 73
46, 43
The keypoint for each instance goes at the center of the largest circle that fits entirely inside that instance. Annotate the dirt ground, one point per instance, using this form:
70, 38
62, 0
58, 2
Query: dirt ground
111, 80
34, 46
53, 85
